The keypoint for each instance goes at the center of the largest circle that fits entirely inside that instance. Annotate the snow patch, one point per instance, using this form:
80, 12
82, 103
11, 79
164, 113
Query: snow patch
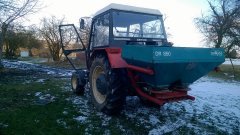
107, 132
78, 101
234, 61
37, 94
216, 106
40, 80
3, 125
65, 112
23, 65
166, 128
153, 120
81, 119
44, 99
88, 129
36, 121
61, 122
47, 97
104, 118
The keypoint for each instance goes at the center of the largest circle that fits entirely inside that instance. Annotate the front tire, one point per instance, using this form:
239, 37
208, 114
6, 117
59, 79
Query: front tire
106, 88
77, 87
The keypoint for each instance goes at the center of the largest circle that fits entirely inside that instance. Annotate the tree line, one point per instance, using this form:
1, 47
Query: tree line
13, 35
11, 13
220, 27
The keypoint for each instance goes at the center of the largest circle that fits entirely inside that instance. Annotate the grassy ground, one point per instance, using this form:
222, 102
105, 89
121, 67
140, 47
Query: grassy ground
22, 111
227, 73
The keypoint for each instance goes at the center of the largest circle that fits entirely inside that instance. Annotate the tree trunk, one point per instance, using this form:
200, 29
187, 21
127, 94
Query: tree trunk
219, 41
56, 57
1, 46
234, 75
2, 41
30, 52
1, 50
1, 65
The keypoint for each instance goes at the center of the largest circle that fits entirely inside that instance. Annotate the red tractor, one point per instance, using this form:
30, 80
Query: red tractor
128, 54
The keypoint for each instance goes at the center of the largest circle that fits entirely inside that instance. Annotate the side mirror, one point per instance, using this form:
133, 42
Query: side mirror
170, 43
82, 24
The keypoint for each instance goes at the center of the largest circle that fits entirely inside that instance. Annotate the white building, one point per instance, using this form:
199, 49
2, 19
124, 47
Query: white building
24, 54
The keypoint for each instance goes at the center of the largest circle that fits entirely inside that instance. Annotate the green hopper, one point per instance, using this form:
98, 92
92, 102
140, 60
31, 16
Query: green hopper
173, 65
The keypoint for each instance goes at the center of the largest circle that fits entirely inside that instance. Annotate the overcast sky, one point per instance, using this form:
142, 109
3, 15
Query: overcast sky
179, 13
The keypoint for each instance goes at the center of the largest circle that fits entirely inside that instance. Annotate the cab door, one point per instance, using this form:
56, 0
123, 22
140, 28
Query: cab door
72, 46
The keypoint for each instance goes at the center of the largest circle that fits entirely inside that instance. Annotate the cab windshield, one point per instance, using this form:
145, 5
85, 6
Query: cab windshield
138, 25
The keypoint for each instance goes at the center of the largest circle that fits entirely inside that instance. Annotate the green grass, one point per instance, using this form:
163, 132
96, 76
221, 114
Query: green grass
227, 73
20, 113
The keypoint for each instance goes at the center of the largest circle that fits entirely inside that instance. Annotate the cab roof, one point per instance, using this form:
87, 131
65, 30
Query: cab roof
128, 8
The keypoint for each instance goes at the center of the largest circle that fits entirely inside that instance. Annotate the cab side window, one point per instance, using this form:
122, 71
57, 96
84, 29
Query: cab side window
101, 31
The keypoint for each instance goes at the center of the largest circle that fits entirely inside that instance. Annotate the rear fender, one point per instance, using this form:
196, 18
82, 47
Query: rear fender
114, 56
116, 61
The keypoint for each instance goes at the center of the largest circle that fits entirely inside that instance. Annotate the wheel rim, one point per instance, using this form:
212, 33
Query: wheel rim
100, 98
74, 82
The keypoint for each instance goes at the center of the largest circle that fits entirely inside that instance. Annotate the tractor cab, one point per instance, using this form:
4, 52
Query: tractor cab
117, 25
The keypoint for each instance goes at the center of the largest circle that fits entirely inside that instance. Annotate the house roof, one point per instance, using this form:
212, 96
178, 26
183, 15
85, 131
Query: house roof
129, 8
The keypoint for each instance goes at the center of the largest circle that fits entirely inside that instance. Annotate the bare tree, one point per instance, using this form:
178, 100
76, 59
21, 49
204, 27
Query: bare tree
17, 37
12, 10
31, 39
49, 31
221, 26
6, 5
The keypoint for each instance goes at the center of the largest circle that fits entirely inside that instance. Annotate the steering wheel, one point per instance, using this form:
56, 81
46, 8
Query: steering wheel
136, 32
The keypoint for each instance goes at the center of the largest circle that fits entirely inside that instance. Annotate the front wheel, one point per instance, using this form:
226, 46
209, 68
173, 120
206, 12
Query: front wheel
106, 88
77, 87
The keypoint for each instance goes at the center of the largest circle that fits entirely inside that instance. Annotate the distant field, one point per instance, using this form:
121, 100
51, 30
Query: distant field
234, 61
227, 73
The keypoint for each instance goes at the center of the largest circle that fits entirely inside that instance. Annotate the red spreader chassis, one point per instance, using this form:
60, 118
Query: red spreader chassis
159, 97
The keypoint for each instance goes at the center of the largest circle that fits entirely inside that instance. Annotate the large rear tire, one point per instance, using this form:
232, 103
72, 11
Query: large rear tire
106, 88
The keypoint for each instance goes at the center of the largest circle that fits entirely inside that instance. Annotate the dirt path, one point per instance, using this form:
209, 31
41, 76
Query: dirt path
22, 65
